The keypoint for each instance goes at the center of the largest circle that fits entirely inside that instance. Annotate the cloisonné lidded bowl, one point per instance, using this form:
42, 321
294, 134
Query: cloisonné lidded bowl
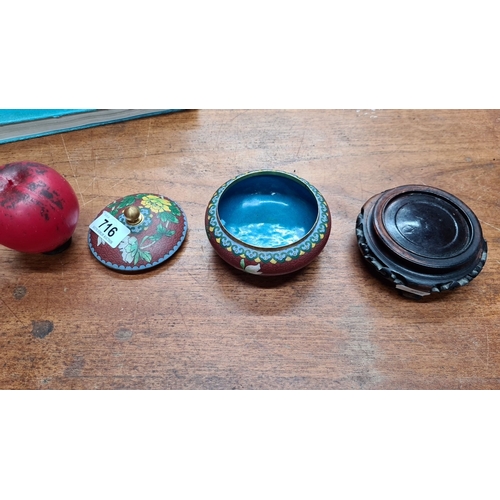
268, 222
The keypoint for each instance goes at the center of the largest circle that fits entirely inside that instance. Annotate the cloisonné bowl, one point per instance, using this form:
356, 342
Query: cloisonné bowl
268, 222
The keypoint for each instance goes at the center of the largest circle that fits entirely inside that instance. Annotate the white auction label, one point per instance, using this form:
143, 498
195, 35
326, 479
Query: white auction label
110, 229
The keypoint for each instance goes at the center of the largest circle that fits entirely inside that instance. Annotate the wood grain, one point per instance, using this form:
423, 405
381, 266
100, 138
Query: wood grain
194, 323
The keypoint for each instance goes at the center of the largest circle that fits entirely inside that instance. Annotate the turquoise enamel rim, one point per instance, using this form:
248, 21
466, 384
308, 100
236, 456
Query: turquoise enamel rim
277, 255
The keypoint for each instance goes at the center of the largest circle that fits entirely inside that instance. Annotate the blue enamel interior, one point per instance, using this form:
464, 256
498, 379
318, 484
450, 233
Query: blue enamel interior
268, 210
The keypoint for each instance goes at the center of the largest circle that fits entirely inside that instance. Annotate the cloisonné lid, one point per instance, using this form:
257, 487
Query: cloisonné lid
422, 239
137, 232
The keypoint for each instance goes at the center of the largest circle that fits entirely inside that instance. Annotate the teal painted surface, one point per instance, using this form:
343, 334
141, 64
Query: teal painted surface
8, 116
21, 124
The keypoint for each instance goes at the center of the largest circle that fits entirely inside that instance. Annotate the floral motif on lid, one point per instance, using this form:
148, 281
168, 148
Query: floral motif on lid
157, 233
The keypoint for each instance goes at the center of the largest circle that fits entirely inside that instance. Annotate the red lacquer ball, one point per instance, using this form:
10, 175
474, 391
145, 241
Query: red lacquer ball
38, 208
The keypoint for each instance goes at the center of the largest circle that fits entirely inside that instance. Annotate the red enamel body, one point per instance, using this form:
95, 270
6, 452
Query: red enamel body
38, 208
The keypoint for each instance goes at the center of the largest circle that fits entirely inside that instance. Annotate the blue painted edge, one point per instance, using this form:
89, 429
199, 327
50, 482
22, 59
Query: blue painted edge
61, 128
10, 116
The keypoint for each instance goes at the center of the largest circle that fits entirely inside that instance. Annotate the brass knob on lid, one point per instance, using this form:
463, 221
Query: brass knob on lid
133, 215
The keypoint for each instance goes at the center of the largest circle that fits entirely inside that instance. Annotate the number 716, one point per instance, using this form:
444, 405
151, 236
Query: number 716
109, 229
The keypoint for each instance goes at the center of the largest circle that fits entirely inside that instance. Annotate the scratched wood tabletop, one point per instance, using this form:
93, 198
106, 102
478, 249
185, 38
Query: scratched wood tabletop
68, 322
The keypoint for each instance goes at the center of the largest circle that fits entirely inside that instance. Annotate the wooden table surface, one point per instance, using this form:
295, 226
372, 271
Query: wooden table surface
68, 322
